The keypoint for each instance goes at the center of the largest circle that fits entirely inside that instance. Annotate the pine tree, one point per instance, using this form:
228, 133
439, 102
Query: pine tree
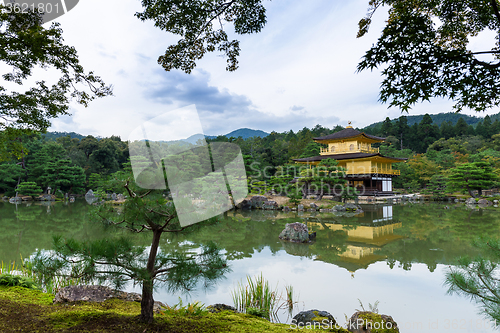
118, 260
477, 278
29, 188
436, 187
472, 176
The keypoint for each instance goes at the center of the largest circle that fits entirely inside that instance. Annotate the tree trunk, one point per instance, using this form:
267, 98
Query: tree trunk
147, 302
305, 190
147, 285
470, 191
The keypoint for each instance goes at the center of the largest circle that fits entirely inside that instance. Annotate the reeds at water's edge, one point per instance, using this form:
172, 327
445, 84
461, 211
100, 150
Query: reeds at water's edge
259, 298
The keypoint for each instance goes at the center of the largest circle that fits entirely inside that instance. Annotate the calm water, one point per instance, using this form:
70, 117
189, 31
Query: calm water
397, 255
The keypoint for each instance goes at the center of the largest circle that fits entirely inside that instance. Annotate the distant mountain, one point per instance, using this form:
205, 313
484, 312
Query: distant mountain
440, 118
246, 133
55, 135
194, 138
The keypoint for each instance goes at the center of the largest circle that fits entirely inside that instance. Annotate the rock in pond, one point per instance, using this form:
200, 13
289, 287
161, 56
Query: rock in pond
313, 318
339, 208
351, 207
470, 201
370, 322
484, 203
295, 232
90, 197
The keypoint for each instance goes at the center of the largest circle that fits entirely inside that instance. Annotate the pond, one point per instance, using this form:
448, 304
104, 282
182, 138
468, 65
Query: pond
394, 254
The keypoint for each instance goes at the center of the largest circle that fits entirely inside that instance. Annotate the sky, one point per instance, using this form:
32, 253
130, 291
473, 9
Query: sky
298, 72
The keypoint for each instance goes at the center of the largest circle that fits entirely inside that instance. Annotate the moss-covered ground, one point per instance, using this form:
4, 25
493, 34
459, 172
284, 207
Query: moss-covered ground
26, 310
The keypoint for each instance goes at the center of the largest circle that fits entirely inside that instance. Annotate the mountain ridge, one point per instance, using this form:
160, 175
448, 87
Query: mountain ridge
245, 133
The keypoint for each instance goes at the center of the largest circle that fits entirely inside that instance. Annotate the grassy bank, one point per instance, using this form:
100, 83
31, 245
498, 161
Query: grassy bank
26, 310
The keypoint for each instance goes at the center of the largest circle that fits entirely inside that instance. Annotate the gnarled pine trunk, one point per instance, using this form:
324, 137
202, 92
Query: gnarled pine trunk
147, 302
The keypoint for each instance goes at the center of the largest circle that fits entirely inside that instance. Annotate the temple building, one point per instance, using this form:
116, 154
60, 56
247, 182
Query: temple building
367, 170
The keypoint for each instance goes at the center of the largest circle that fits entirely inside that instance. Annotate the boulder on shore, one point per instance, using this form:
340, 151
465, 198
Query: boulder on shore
215, 308
367, 322
258, 200
270, 205
314, 318
244, 205
71, 294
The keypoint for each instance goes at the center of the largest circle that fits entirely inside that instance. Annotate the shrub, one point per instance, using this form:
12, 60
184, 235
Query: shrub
17, 280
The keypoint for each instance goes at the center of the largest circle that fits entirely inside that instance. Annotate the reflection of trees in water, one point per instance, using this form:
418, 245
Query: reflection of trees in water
240, 237
430, 234
26, 228
329, 245
434, 235
427, 232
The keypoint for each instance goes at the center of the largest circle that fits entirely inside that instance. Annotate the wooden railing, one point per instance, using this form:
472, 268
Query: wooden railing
386, 171
374, 170
343, 150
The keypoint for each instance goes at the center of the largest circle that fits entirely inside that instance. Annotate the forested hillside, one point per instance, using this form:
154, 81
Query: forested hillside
75, 165
437, 119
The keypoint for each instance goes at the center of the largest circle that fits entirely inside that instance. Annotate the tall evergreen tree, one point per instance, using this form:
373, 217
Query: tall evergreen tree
481, 130
461, 127
387, 127
447, 130
488, 131
401, 130
427, 133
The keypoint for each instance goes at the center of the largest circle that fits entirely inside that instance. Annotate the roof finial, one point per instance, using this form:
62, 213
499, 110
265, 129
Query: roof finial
349, 124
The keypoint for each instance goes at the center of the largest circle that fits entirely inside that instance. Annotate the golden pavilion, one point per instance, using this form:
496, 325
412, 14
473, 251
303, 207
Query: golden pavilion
367, 170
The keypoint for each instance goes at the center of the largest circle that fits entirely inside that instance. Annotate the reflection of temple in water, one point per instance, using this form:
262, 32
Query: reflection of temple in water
369, 232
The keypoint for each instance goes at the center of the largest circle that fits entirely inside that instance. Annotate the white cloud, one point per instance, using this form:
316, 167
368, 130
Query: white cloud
299, 71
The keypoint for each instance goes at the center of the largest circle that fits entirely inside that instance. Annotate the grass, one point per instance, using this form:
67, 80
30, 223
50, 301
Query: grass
24, 270
259, 299
27, 310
